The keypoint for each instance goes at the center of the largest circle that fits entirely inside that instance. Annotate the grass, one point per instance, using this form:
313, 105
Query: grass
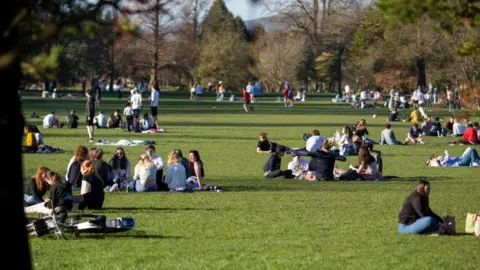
258, 223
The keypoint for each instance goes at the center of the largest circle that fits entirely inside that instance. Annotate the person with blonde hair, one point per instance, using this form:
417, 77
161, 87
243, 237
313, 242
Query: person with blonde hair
144, 178
176, 178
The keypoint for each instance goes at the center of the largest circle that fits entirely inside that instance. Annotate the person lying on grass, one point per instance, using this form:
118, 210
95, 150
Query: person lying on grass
415, 215
271, 169
469, 158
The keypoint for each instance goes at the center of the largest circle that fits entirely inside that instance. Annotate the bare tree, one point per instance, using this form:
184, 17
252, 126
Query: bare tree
276, 55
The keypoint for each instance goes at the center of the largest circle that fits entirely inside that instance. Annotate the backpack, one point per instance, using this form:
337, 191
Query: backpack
31, 140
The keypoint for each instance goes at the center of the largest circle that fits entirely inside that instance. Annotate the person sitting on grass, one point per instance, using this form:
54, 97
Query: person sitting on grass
469, 158
37, 187
145, 176
60, 197
198, 173
175, 178
271, 169
115, 120
427, 127
91, 191
470, 136
314, 142
100, 121
298, 166
449, 126
414, 135
72, 119
264, 146
388, 136
458, 128
31, 142
344, 142
367, 167
184, 161
146, 123
415, 216
51, 121
121, 167
322, 162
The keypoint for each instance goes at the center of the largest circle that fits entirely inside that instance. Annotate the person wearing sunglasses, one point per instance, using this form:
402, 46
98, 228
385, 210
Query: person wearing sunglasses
120, 167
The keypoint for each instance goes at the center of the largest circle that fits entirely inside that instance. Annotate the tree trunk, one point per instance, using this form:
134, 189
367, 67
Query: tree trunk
154, 69
421, 76
112, 66
11, 131
339, 70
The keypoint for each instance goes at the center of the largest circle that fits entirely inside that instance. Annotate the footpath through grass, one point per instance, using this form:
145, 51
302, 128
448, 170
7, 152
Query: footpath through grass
258, 223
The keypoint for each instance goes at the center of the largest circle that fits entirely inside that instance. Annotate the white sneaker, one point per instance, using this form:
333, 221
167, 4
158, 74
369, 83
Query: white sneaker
114, 188
476, 164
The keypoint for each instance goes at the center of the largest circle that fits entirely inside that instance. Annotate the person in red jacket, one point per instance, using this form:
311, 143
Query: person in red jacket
246, 98
470, 136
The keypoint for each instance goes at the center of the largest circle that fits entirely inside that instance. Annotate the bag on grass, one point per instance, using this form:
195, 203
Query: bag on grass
450, 221
472, 221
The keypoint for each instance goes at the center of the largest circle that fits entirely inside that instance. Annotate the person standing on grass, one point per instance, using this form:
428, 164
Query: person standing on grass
136, 101
128, 112
154, 106
246, 98
90, 114
415, 216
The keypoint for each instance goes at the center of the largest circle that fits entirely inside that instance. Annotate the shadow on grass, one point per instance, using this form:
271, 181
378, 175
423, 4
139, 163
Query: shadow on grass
133, 235
155, 209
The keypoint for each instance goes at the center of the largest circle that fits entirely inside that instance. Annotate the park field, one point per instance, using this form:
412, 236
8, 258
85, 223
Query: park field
259, 223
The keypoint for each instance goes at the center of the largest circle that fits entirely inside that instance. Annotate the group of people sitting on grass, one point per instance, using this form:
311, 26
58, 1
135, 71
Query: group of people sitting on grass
322, 163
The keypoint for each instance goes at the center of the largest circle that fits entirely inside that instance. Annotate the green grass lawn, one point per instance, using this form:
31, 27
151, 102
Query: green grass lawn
259, 223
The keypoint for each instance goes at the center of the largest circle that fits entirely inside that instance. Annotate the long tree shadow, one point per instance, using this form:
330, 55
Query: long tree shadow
155, 209
130, 234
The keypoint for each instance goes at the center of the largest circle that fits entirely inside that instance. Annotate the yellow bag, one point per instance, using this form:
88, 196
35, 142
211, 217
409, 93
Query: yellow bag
31, 140
470, 222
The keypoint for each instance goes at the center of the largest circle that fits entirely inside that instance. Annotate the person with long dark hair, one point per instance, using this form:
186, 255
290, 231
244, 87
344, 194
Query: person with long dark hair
198, 172
37, 187
415, 216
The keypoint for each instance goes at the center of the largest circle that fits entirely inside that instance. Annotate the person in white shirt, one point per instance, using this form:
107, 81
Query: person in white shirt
136, 101
198, 92
299, 167
100, 120
421, 101
458, 128
158, 161
363, 95
154, 106
175, 178
50, 121
315, 142
345, 143
146, 123
128, 112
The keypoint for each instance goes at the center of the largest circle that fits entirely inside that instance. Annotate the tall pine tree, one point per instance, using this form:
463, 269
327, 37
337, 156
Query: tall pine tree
218, 19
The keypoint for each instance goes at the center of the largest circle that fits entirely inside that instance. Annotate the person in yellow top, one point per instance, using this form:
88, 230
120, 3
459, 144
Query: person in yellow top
415, 116
31, 141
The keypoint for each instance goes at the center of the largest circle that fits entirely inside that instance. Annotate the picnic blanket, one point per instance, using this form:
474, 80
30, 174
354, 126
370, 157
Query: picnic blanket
43, 150
125, 142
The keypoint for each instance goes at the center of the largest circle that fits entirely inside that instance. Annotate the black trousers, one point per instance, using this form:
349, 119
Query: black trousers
280, 174
159, 180
129, 122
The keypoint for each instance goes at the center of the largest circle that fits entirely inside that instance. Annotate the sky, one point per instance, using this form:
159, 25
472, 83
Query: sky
245, 9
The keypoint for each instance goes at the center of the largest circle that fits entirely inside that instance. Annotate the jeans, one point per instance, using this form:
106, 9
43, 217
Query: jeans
470, 155
31, 200
422, 225
141, 188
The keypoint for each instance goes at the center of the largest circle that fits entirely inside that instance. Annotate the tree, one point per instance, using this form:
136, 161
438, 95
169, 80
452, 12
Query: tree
450, 15
218, 19
23, 29
276, 56
224, 56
